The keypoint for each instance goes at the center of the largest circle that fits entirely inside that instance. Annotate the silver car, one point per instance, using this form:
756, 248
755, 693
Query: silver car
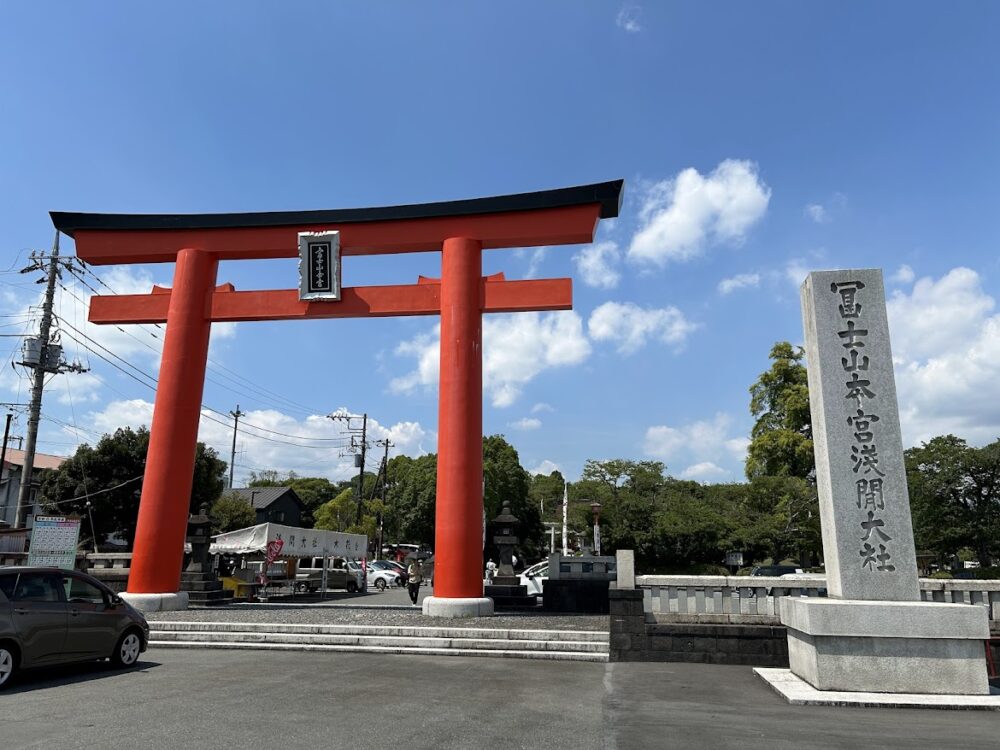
50, 616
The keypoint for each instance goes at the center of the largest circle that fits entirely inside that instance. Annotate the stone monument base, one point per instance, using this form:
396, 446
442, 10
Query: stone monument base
887, 646
439, 606
146, 603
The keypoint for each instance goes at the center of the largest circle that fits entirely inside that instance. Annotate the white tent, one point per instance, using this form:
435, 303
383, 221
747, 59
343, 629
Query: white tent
295, 542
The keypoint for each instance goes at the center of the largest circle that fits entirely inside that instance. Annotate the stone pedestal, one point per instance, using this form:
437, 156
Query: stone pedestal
439, 606
146, 603
887, 647
510, 595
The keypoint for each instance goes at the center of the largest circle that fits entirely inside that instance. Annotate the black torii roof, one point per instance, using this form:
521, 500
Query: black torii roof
607, 194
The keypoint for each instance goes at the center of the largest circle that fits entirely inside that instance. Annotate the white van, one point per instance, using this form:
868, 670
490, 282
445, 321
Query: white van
339, 575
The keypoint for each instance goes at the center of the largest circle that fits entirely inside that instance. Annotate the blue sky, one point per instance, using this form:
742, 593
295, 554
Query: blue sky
758, 142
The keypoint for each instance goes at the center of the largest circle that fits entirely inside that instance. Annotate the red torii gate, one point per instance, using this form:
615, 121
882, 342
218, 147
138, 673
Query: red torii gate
460, 230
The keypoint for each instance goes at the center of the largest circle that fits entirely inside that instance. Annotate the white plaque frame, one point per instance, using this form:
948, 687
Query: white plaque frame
316, 250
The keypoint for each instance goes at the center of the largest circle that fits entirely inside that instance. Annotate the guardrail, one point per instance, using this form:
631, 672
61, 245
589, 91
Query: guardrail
746, 599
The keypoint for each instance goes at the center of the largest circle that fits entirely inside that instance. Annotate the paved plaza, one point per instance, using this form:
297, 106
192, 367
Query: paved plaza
233, 699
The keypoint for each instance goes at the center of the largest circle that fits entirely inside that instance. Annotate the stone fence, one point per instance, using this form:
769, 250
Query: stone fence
750, 600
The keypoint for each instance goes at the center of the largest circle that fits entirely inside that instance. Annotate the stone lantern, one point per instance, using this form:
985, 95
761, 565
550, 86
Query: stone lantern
505, 540
507, 590
198, 579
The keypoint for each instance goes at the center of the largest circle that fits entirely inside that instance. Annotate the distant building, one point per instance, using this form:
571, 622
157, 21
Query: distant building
273, 504
10, 483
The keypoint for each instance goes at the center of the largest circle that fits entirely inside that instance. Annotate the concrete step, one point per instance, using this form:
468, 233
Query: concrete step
596, 636
495, 644
575, 645
414, 651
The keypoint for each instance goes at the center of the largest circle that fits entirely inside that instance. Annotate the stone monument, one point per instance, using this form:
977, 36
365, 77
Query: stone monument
873, 633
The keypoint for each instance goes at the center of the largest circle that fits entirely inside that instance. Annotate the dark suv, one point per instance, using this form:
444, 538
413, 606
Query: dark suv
51, 616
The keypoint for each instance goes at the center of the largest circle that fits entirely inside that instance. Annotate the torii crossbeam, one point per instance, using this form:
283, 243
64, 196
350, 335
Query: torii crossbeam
460, 230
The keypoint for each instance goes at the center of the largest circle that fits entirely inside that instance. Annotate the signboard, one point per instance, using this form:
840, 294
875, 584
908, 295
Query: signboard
53, 542
319, 266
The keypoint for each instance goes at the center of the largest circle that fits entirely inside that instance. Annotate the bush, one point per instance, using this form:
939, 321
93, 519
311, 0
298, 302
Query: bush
987, 574
941, 574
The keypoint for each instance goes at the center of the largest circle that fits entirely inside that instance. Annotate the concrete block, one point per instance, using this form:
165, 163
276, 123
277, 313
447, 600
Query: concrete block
625, 559
169, 602
885, 619
890, 647
437, 606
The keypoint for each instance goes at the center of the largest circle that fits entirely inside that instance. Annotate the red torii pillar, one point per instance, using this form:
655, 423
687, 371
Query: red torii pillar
460, 230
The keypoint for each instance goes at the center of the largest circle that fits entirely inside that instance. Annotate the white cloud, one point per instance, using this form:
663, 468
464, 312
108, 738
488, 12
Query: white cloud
546, 467
904, 275
946, 351
631, 326
939, 316
704, 443
516, 349
535, 259
817, 213
313, 446
628, 19
540, 407
595, 264
740, 281
796, 271
705, 471
527, 423
681, 216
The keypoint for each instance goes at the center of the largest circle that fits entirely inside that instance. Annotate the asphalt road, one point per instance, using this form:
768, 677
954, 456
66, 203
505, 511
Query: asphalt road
242, 699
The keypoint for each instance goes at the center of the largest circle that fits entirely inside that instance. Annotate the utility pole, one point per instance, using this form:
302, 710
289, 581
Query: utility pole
361, 470
3, 459
232, 455
38, 383
387, 444
364, 447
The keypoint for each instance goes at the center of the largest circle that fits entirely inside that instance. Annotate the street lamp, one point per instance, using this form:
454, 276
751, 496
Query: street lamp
595, 508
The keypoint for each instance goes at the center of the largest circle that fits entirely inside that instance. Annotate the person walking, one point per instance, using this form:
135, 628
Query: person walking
491, 571
414, 573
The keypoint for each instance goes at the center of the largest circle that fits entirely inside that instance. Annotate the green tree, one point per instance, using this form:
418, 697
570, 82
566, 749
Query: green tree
955, 497
230, 512
781, 439
338, 514
627, 491
109, 474
546, 491
506, 480
411, 491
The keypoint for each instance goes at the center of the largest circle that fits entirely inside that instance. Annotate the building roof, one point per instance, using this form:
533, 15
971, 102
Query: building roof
15, 457
607, 194
262, 497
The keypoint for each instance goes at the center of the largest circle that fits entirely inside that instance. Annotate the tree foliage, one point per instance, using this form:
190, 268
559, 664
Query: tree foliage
231, 512
955, 497
114, 468
781, 439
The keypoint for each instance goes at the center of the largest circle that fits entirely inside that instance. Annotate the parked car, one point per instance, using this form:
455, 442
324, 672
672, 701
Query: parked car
309, 575
774, 570
50, 616
533, 577
382, 579
392, 567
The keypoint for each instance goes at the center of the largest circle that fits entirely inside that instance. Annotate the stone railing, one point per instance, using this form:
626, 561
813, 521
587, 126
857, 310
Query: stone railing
747, 599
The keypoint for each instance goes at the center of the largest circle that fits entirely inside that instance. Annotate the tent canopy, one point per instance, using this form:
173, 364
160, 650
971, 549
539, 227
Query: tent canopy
295, 542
